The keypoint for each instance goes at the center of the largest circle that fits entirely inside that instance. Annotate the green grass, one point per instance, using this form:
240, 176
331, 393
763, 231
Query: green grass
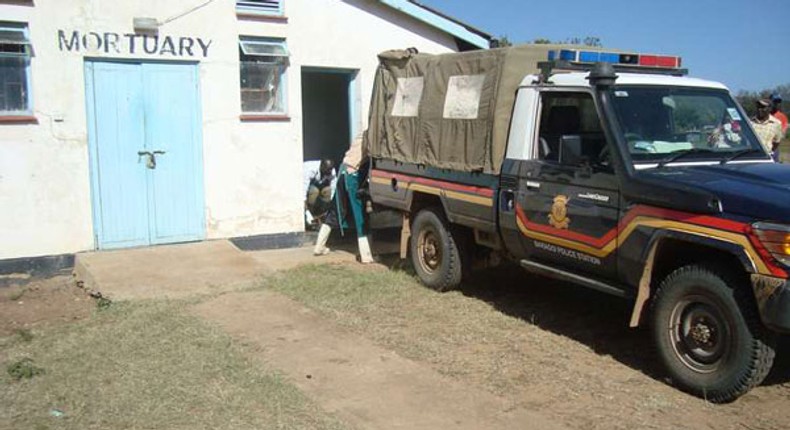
147, 365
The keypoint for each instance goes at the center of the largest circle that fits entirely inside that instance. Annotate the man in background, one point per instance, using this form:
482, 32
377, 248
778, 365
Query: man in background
767, 128
776, 112
320, 181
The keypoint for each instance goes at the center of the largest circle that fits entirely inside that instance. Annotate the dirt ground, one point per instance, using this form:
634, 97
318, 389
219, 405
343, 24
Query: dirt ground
34, 303
578, 362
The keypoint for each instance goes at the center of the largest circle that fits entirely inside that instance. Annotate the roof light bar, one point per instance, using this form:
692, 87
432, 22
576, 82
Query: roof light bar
583, 56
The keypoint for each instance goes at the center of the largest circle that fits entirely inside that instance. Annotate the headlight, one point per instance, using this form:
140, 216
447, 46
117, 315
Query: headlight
775, 238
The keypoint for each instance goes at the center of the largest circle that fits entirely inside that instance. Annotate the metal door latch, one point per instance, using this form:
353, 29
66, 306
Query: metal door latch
150, 157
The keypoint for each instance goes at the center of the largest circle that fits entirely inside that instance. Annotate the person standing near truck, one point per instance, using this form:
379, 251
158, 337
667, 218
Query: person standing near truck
350, 177
767, 128
776, 112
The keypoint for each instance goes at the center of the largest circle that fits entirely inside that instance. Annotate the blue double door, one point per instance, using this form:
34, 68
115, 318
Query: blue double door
145, 149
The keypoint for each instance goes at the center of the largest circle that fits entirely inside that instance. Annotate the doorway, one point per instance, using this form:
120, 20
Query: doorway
330, 116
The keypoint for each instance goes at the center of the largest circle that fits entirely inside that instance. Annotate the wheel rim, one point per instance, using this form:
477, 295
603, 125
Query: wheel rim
430, 250
700, 334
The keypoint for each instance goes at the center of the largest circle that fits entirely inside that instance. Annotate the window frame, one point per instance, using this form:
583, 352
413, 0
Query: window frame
282, 91
255, 7
22, 28
543, 92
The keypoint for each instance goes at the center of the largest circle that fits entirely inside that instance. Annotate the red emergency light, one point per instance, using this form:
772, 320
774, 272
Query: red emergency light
659, 61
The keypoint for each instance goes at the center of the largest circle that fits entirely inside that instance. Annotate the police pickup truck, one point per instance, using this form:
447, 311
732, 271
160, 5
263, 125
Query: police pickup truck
611, 170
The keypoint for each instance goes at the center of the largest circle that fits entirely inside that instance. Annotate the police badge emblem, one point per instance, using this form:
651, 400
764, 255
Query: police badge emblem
558, 217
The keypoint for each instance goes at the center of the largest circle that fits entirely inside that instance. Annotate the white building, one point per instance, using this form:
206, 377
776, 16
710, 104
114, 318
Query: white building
132, 123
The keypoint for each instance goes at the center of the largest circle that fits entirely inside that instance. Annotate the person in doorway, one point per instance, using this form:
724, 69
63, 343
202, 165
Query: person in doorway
767, 128
320, 181
776, 112
350, 176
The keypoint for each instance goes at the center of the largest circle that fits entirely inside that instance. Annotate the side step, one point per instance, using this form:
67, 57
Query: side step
551, 272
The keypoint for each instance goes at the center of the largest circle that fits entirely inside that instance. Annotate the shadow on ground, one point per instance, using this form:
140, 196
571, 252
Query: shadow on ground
595, 319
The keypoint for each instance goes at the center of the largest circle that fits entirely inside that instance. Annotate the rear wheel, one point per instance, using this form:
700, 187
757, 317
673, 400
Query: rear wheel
708, 333
434, 252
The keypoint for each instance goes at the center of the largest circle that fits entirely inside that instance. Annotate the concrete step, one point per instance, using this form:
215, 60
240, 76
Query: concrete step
170, 271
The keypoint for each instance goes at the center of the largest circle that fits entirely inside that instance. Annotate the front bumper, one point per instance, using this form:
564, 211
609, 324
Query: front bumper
773, 301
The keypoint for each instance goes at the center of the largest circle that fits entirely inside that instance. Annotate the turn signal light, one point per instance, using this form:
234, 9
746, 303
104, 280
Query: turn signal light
775, 238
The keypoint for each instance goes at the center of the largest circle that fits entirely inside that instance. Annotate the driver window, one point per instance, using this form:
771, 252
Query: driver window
570, 130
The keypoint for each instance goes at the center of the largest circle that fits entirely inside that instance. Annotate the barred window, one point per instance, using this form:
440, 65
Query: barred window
15, 53
264, 63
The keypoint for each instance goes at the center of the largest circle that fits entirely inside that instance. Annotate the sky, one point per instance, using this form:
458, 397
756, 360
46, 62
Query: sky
744, 44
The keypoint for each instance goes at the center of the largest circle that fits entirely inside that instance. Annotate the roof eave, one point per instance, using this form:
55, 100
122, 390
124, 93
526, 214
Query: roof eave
441, 22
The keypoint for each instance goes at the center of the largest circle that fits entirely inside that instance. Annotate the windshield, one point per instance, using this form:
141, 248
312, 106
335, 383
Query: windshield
663, 124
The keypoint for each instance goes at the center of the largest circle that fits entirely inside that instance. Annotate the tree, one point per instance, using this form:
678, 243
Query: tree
593, 41
503, 42
748, 99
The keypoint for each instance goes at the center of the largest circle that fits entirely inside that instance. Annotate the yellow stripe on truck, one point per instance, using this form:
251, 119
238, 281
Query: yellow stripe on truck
655, 223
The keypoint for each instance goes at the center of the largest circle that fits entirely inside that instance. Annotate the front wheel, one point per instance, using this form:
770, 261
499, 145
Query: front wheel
435, 254
709, 335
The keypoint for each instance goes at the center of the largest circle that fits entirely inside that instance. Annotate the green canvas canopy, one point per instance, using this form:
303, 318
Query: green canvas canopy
450, 110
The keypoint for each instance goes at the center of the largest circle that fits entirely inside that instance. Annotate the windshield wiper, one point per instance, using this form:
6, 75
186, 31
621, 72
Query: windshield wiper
680, 154
741, 153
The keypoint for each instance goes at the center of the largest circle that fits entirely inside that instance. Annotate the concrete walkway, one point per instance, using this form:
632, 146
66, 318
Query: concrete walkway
175, 271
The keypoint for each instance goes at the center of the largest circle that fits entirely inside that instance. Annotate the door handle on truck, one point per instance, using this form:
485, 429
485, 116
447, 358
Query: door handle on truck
507, 201
532, 185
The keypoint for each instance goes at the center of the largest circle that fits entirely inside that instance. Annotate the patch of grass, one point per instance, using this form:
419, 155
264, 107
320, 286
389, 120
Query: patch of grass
25, 335
24, 369
150, 365
16, 295
103, 303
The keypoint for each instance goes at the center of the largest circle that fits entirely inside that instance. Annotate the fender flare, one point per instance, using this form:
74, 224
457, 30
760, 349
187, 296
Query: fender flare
645, 288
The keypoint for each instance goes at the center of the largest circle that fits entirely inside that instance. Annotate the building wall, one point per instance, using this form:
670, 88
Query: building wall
252, 169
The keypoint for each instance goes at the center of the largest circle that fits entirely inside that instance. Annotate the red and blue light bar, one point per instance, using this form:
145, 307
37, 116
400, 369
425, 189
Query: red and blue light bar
582, 56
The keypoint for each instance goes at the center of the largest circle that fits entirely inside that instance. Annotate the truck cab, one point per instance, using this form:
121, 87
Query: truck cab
584, 160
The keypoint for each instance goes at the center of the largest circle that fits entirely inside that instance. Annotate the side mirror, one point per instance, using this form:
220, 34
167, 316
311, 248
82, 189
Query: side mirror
571, 150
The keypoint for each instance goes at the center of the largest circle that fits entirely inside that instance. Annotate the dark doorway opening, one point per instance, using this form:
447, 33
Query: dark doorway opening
326, 113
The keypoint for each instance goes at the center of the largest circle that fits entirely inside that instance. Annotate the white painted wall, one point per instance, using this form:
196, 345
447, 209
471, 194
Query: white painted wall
253, 177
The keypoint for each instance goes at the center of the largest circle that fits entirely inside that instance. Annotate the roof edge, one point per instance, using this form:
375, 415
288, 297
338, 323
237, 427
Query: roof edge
442, 22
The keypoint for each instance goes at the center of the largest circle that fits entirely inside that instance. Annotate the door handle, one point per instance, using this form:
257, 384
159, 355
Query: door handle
532, 185
150, 161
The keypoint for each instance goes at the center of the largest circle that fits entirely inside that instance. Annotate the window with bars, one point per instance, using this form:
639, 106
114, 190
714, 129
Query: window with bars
262, 7
15, 53
264, 63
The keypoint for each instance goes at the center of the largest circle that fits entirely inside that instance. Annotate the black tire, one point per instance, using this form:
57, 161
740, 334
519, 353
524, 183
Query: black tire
708, 333
435, 254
